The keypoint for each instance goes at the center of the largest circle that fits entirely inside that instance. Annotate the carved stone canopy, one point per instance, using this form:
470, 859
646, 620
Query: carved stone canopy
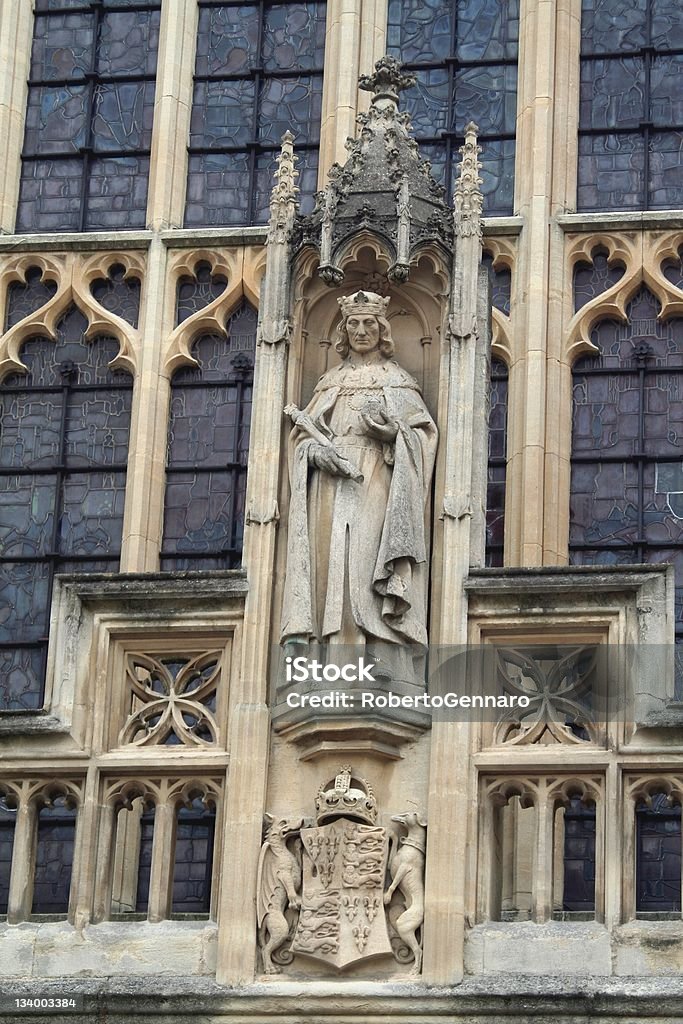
384, 187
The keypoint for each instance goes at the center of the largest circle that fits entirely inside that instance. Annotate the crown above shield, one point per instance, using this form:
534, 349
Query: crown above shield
347, 796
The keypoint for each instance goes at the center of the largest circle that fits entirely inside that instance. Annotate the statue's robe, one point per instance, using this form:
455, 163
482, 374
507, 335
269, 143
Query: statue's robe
357, 551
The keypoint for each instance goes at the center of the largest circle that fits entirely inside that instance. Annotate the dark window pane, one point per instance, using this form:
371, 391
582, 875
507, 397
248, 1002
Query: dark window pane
495, 498
79, 112
227, 40
630, 91
145, 861
243, 105
128, 43
62, 46
64, 428
194, 293
193, 859
118, 294
294, 37
208, 444
626, 501
611, 172
658, 855
446, 45
117, 192
592, 279
27, 298
579, 856
54, 857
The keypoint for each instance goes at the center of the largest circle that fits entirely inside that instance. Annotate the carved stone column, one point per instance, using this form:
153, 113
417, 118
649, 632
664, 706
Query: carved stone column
249, 727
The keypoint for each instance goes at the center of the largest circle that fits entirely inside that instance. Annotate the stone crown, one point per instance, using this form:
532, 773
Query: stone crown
363, 302
339, 799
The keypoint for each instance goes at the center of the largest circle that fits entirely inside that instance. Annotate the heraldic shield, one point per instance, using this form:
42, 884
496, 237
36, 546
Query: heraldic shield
342, 917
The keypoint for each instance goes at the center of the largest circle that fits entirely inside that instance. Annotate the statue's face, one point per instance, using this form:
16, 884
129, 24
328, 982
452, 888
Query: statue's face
363, 332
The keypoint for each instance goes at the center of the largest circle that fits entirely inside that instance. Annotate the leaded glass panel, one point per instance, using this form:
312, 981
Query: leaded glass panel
64, 428
579, 856
91, 91
194, 841
208, 442
54, 858
258, 73
592, 279
465, 58
145, 861
626, 503
658, 855
631, 111
495, 497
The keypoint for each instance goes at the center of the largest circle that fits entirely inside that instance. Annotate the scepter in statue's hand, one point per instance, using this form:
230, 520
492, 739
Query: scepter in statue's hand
329, 459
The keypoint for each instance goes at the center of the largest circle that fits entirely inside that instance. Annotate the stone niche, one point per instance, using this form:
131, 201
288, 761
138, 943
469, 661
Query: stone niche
415, 313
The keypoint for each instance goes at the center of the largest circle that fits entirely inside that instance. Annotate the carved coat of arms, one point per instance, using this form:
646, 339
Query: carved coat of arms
347, 869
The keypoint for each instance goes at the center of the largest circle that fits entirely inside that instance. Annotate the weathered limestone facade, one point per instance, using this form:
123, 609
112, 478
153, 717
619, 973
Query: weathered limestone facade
486, 803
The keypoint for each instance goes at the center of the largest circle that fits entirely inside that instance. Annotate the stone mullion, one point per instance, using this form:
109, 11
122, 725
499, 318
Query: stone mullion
543, 855
16, 31
485, 874
105, 862
249, 726
20, 897
340, 83
452, 783
560, 305
533, 178
628, 878
143, 516
161, 873
85, 852
172, 111
355, 38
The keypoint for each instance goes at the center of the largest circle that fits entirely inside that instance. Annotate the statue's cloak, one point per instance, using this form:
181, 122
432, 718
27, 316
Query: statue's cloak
357, 550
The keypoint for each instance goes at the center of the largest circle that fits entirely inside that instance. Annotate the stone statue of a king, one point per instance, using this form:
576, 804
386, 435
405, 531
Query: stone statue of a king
361, 461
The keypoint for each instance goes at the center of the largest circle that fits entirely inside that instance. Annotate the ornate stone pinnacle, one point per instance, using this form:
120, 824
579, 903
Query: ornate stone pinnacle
388, 81
282, 198
467, 198
286, 173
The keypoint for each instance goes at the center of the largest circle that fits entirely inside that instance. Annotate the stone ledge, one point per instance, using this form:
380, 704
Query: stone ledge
513, 998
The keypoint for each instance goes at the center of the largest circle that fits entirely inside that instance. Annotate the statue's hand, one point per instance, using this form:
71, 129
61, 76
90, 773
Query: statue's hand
384, 431
329, 460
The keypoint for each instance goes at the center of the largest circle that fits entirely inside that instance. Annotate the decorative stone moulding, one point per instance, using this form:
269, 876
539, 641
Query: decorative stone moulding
143, 664
610, 626
643, 256
73, 274
341, 888
385, 189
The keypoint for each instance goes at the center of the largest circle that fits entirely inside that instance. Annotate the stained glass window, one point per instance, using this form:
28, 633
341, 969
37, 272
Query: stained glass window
145, 861
658, 855
464, 53
88, 134
579, 856
54, 857
63, 450
501, 284
495, 495
631, 105
193, 859
627, 447
258, 74
208, 446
